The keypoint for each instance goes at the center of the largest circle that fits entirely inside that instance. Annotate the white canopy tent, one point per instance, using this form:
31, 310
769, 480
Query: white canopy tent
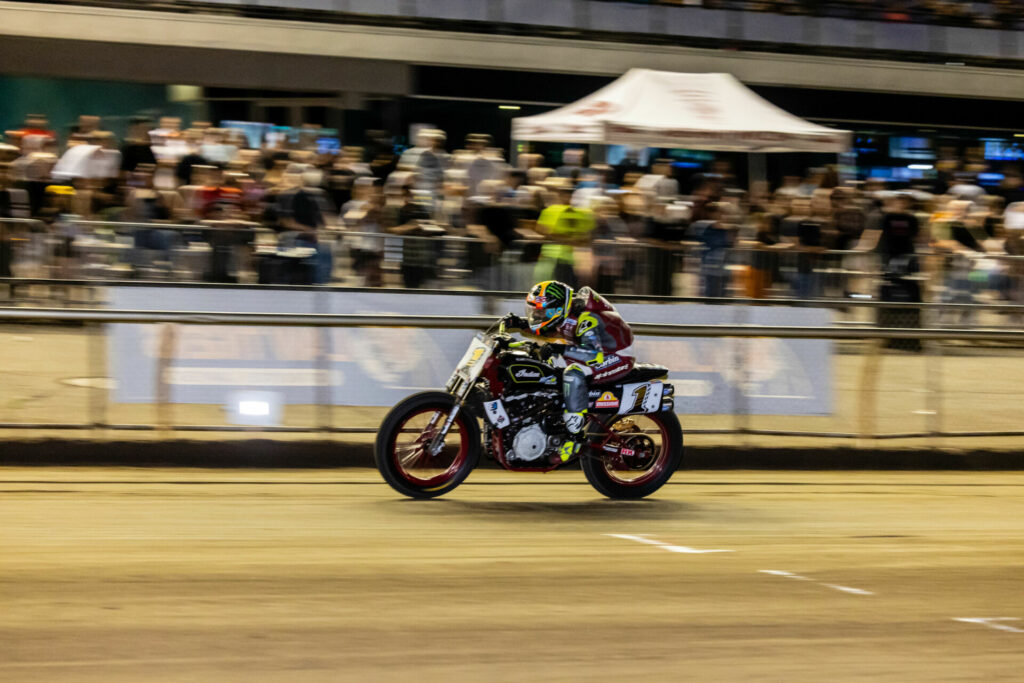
649, 108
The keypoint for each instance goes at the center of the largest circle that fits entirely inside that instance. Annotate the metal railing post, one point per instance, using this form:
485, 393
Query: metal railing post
868, 394
324, 388
6, 251
496, 12
165, 357
96, 371
741, 418
933, 392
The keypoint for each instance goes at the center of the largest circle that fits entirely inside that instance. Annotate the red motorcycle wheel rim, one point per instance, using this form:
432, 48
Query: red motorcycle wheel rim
656, 468
410, 456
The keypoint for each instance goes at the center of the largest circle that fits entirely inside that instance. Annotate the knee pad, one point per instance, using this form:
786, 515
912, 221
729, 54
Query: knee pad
575, 388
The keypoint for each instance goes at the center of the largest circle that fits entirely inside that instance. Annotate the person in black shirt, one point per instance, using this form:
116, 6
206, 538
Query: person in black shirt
899, 228
136, 149
496, 222
809, 243
6, 211
419, 256
1011, 189
297, 211
849, 219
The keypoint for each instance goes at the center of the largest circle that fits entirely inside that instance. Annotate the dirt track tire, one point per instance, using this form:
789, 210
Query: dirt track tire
404, 479
668, 461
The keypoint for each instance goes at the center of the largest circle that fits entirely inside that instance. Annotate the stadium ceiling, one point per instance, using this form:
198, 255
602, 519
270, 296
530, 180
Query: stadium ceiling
98, 42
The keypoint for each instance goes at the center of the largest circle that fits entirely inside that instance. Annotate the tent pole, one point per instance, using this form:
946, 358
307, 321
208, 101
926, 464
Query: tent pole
757, 169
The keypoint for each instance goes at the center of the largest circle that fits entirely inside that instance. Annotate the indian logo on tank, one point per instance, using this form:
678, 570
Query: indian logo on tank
524, 373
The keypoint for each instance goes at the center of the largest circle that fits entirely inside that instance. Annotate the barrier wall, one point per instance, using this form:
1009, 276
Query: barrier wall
380, 366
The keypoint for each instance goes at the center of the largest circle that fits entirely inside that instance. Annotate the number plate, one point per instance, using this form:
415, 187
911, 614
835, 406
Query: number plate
644, 397
472, 364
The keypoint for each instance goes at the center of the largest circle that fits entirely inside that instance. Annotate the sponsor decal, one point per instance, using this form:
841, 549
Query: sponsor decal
496, 414
610, 448
607, 373
610, 360
597, 108
627, 452
607, 400
587, 322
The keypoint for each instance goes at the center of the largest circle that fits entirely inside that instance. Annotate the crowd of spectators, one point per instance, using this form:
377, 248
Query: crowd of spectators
287, 213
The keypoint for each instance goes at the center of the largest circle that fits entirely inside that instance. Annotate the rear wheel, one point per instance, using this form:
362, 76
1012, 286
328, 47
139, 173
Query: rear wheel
650, 450
402, 450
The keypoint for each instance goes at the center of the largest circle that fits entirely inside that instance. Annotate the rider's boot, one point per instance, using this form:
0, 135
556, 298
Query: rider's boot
574, 423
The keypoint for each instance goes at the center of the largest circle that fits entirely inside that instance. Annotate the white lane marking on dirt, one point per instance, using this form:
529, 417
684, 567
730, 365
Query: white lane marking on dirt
693, 551
666, 546
991, 622
798, 577
847, 589
788, 575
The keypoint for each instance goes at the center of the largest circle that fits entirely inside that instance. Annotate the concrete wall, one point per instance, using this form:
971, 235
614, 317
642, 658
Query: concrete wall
686, 21
64, 99
223, 50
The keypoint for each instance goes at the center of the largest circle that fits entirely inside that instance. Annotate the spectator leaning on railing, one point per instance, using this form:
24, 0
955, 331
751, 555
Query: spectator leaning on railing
631, 229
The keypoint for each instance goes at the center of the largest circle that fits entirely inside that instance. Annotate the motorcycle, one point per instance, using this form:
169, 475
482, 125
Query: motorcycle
505, 399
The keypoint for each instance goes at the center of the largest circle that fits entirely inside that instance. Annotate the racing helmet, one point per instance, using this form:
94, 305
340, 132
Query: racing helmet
547, 305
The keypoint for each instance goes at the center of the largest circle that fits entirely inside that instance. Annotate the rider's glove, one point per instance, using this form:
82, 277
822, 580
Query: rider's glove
548, 350
514, 322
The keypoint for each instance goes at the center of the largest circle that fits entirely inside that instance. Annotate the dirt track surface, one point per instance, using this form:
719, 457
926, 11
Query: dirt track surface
152, 575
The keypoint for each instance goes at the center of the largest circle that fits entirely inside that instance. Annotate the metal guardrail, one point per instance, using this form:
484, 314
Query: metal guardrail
170, 319
481, 322
507, 294
639, 267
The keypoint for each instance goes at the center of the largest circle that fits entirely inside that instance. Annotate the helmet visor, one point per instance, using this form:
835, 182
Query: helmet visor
537, 316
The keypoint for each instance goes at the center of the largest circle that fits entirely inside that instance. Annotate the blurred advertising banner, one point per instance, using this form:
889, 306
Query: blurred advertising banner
380, 366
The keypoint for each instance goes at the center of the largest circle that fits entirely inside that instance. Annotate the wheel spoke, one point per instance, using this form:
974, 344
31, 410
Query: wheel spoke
648, 450
411, 450
409, 456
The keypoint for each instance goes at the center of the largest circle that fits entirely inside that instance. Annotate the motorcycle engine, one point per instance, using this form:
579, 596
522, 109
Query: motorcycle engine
536, 422
529, 443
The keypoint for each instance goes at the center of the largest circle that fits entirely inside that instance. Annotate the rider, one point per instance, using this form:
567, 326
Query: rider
599, 349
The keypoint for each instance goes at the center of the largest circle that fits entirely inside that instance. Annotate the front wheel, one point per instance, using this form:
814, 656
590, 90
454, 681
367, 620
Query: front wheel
651, 449
402, 452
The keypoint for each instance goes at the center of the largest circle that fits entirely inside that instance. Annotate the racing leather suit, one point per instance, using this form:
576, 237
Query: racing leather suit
600, 347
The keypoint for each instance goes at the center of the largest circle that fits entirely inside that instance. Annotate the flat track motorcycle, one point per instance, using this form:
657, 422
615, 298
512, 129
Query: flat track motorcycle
503, 399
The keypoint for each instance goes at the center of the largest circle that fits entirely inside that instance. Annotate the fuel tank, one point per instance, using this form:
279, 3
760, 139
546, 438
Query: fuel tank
525, 374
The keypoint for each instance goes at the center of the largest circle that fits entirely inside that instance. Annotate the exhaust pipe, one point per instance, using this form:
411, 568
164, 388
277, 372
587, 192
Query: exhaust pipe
667, 404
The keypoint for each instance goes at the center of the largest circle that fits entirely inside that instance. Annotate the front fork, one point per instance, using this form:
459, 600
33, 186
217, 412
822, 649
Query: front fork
437, 443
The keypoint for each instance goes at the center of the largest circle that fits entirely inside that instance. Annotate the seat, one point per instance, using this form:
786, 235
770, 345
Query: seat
641, 372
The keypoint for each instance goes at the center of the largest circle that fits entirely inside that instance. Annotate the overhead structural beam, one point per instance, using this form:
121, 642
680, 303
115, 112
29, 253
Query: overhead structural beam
117, 28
